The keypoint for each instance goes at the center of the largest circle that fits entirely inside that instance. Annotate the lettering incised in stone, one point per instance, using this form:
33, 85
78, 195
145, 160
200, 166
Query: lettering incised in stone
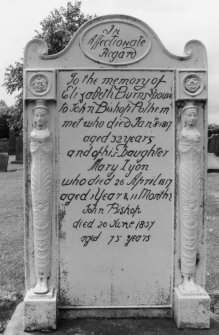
189, 192
41, 189
115, 42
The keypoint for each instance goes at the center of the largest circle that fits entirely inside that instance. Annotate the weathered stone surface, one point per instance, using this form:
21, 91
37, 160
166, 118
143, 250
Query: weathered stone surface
40, 312
191, 310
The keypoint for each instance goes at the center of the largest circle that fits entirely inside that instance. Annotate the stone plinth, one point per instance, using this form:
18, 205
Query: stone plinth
192, 310
40, 311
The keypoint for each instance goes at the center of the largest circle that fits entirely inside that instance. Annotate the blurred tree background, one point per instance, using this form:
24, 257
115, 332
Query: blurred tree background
57, 30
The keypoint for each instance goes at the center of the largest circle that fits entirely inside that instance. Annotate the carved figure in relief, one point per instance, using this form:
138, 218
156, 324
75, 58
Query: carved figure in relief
41, 191
189, 193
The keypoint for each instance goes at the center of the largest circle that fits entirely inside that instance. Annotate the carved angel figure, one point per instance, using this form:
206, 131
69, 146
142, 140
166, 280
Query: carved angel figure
189, 193
41, 190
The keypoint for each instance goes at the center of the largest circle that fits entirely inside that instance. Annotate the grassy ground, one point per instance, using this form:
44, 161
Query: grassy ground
11, 238
212, 273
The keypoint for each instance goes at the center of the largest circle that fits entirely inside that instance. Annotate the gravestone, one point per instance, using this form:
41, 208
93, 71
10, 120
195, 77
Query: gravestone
19, 149
12, 142
3, 145
4, 129
115, 171
3, 162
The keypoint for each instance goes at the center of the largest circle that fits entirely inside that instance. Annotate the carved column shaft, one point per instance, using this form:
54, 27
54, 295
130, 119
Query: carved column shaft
41, 190
189, 189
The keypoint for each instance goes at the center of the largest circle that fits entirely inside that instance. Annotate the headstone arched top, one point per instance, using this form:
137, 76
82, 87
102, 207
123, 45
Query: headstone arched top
115, 41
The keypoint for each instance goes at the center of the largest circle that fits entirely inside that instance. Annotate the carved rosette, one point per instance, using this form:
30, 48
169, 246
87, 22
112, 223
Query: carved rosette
39, 84
189, 191
193, 84
41, 149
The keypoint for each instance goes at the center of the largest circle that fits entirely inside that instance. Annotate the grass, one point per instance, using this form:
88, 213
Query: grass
11, 239
212, 275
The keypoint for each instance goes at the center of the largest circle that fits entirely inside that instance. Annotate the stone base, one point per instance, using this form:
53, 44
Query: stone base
86, 312
191, 310
40, 311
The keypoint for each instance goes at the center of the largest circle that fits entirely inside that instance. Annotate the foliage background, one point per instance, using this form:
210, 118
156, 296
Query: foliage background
57, 29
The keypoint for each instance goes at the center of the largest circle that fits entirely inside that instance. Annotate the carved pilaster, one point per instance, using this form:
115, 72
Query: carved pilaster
189, 296
189, 193
41, 149
40, 302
